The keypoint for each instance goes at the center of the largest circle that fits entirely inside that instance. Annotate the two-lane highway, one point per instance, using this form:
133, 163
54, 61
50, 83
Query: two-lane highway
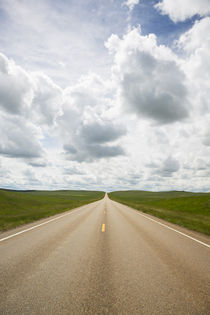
104, 258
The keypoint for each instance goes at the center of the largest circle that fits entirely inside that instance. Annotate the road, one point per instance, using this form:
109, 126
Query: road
104, 258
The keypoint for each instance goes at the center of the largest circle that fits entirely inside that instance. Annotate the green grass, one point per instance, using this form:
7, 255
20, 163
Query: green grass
191, 210
20, 207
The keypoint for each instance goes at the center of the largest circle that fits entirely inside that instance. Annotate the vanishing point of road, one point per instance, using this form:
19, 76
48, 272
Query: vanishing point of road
104, 258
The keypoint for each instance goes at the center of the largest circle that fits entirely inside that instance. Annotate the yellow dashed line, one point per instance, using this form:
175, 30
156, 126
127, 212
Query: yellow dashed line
103, 228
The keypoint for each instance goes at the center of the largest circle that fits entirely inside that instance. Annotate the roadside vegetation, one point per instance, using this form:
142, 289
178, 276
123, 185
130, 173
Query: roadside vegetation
191, 210
20, 207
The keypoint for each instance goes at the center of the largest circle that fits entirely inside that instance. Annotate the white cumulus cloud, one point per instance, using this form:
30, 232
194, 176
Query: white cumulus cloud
15, 87
150, 81
196, 63
87, 133
19, 138
181, 10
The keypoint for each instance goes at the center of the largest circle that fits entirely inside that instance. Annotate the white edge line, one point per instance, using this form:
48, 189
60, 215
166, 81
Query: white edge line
170, 228
34, 227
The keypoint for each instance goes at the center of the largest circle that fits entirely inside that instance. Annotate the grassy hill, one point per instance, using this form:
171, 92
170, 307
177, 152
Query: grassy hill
191, 210
20, 207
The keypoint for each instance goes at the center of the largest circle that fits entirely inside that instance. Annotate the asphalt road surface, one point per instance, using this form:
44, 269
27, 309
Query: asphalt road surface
104, 258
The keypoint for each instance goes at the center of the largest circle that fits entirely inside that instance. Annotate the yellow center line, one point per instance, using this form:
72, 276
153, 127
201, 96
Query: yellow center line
103, 228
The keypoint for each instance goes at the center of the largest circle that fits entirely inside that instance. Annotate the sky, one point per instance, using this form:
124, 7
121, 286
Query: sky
105, 95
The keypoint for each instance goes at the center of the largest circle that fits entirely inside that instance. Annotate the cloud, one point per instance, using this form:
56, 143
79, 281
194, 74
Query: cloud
47, 99
94, 143
33, 95
29, 102
152, 165
72, 34
196, 37
121, 120
205, 136
101, 132
128, 180
206, 140
30, 178
15, 87
19, 139
87, 133
169, 166
90, 153
38, 163
150, 81
201, 164
72, 171
195, 44
180, 10
131, 4
4, 173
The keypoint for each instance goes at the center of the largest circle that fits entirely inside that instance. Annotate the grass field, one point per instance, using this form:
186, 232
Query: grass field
20, 207
191, 210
